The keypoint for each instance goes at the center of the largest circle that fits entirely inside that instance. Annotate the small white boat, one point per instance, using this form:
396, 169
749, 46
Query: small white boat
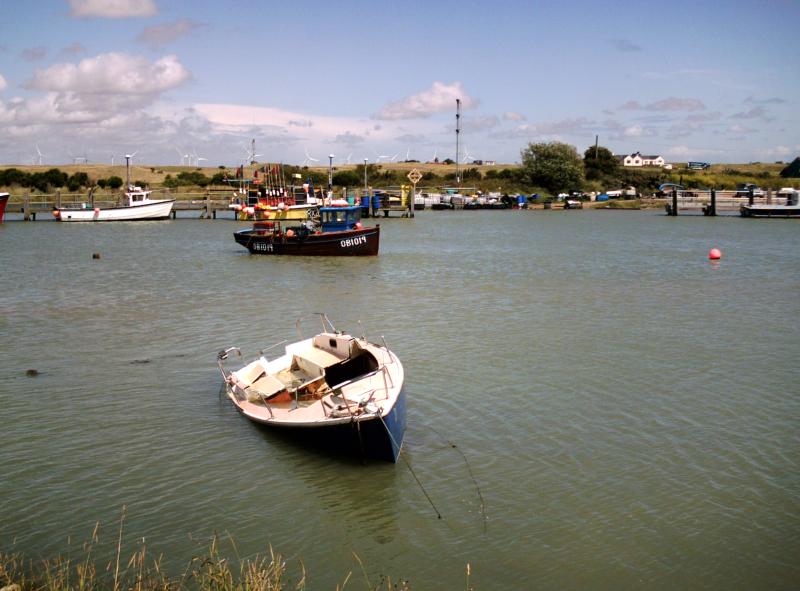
138, 206
334, 388
790, 209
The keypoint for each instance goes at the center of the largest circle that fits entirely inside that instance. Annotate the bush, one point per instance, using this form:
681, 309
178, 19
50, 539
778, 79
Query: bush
114, 182
346, 178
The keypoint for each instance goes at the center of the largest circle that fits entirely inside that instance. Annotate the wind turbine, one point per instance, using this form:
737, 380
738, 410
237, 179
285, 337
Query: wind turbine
408, 154
309, 158
198, 158
435, 152
186, 159
394, 158
347, 160
467, 156
40, 155
379, 156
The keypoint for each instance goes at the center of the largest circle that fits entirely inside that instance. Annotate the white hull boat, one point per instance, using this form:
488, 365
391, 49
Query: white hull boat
150, 209
333, 388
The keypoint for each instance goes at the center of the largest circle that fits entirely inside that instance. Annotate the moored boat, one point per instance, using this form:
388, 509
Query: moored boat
338, 233
3, 202
789, 209
137, 206
334, 388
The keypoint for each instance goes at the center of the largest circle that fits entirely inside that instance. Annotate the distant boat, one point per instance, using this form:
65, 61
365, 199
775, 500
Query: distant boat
339, 233
138, 206
773, 210
3, 202
333, 388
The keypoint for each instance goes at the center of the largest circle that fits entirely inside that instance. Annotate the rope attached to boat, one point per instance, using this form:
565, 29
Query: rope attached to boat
471, 474
410, 469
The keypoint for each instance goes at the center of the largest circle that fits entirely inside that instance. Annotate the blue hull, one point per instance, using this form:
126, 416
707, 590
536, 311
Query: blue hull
375, 438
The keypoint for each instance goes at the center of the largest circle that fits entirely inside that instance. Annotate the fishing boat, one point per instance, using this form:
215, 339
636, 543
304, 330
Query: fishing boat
268, 197
789, 209
337, 233
137, 205
3, 202
333, 388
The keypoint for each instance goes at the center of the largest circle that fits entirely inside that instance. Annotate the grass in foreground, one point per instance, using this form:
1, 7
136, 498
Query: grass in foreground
209, 571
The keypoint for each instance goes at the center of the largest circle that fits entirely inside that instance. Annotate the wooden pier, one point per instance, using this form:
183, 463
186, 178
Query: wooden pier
712, 202
207, 205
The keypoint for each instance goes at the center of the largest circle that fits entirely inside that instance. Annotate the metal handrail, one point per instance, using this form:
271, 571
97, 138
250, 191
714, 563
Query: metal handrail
326, 323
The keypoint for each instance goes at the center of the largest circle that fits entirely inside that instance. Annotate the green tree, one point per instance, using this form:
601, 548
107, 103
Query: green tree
554, 166
347, 178
114, 182
599, 163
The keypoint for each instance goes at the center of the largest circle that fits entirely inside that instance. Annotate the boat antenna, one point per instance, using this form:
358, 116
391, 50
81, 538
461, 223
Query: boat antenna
458, 131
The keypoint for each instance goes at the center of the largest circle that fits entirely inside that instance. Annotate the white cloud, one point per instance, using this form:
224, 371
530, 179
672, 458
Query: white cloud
638, 131
112, 73
160, 35
514, 116
440, 97
3, 82
668, 104
113, 8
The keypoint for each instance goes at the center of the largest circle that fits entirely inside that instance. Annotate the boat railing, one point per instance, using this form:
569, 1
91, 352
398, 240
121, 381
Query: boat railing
262, 351
327, 325
222, 357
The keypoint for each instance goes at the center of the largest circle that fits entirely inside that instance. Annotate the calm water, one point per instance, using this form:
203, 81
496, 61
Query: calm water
592, 403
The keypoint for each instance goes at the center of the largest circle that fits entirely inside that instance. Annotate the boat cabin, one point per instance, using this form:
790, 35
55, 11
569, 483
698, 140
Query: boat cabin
137, 195
337, 219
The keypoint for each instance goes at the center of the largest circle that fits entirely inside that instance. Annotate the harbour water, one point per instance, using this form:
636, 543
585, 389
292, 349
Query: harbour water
592, 403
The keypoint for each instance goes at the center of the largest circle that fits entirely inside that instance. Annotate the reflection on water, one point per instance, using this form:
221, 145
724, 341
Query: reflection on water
592, 403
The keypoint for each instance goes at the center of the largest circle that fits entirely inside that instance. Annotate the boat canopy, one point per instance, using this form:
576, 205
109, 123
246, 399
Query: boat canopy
335, 219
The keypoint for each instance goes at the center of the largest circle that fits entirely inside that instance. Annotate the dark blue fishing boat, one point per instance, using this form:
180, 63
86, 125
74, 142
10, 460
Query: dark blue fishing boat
337, 233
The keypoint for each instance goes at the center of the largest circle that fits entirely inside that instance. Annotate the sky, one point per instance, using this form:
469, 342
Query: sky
176, 81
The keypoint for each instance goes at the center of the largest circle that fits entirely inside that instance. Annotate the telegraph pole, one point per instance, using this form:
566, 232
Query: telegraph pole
458, 131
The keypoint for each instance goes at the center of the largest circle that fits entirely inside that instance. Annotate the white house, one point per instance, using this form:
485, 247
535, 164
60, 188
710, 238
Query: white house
637, 159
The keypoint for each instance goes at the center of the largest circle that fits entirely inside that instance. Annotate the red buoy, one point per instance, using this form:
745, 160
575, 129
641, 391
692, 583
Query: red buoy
714, 254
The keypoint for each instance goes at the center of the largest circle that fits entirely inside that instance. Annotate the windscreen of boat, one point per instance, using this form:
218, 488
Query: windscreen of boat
350, 369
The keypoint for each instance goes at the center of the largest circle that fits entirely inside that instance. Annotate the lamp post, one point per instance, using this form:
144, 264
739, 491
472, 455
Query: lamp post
330, 172
365, 175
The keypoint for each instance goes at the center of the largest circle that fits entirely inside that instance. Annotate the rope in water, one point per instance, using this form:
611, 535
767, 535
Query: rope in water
410, 469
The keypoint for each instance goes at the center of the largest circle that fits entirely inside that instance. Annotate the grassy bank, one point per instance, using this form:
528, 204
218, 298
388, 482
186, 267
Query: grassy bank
500, 177
105, 567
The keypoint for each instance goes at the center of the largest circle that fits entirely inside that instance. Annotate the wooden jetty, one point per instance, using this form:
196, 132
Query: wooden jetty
208, 204
711, 202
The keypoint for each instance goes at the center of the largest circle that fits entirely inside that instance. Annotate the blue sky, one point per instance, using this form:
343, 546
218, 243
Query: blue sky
717, 82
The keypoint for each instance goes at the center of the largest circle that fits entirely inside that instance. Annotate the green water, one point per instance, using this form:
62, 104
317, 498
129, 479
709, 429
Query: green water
592, 403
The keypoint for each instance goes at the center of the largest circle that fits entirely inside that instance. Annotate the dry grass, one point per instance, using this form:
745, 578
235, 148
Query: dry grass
208, 571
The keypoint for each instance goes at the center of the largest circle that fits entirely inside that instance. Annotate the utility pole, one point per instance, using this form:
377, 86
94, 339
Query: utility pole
458, 131
595, 146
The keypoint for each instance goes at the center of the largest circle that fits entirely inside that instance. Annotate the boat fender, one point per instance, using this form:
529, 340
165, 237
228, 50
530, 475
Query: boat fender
289, 233
56, 214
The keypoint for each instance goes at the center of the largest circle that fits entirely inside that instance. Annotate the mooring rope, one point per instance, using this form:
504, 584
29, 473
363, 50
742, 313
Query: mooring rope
410, 469
471, 474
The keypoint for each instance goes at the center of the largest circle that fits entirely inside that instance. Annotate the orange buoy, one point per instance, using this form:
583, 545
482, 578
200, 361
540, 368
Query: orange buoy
358, 226
56, 214
714, 254
289, 233
96, 210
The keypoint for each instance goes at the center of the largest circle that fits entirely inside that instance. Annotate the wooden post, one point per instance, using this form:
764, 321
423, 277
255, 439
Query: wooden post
713, 210
674, 202
26, 207
750, 196
208, 205
58, 198
372, 212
